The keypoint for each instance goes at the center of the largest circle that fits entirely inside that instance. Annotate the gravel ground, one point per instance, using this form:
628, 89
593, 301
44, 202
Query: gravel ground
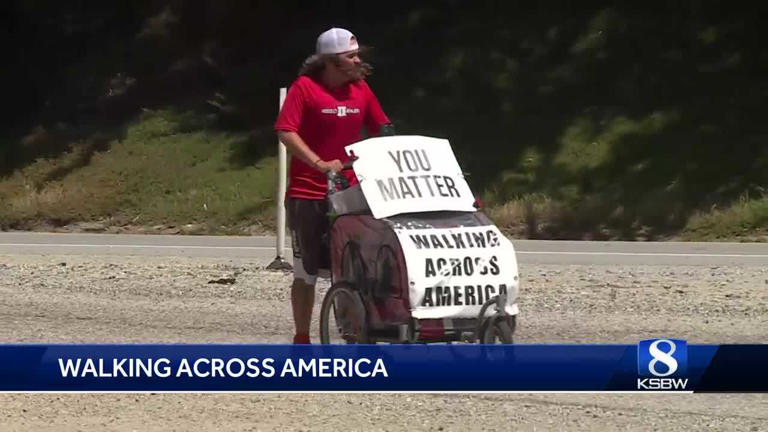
137, 299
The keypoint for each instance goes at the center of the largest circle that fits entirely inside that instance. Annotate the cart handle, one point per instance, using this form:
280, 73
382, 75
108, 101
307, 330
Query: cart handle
335, 179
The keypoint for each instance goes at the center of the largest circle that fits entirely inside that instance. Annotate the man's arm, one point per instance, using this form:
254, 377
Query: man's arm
301, 150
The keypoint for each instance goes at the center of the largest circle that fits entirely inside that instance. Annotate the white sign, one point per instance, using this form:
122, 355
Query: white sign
453, 271
407, 174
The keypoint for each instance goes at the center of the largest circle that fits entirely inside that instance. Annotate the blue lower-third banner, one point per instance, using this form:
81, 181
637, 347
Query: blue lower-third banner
650, 365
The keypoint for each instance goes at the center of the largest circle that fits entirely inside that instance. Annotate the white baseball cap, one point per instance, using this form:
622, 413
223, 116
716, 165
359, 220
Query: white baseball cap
336, 41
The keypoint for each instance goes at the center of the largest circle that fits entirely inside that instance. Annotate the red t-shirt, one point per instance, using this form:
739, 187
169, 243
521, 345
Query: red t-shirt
327, 120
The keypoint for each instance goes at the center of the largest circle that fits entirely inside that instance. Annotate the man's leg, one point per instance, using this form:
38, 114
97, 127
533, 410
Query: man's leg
309, 223
302, 301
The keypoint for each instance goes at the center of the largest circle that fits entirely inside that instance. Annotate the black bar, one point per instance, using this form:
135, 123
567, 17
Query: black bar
737, 368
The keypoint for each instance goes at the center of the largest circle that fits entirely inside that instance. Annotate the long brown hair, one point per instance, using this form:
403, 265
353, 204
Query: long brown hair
314, 65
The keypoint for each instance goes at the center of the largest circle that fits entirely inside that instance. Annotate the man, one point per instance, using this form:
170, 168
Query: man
324, 111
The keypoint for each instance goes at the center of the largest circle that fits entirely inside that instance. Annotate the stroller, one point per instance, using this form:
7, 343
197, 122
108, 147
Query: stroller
440, 271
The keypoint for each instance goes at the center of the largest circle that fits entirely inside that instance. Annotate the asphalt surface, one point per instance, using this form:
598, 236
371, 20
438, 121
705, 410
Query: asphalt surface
263, 249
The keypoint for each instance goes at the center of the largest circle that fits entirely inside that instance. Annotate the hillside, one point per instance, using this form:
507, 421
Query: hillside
600, 121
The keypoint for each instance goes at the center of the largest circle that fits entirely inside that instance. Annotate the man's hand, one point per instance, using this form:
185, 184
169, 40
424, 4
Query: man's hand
325, 166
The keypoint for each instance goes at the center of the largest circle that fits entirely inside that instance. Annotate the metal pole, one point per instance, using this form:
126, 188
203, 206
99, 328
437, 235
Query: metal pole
279, 262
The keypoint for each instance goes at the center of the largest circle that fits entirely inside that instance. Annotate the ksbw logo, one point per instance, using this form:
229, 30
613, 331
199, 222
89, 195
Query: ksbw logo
662, 364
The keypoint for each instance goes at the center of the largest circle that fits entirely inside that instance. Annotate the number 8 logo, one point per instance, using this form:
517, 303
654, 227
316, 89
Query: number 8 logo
664, 357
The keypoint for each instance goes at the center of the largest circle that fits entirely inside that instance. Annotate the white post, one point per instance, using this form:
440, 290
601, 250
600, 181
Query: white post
282, 172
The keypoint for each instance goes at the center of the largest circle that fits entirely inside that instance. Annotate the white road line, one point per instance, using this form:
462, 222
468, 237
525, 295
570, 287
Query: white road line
663, 254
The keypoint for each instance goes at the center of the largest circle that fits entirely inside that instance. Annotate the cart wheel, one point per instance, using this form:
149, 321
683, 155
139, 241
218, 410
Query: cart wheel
499, 330
342, 316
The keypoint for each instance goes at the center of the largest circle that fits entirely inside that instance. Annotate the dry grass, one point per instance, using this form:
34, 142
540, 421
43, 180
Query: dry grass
527, 216
745, 220
159, 173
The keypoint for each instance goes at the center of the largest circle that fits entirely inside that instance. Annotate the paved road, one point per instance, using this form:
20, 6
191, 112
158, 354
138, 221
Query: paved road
263, 249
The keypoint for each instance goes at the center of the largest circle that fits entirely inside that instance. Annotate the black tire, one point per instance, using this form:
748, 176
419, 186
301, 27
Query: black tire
498, 331
342, 316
